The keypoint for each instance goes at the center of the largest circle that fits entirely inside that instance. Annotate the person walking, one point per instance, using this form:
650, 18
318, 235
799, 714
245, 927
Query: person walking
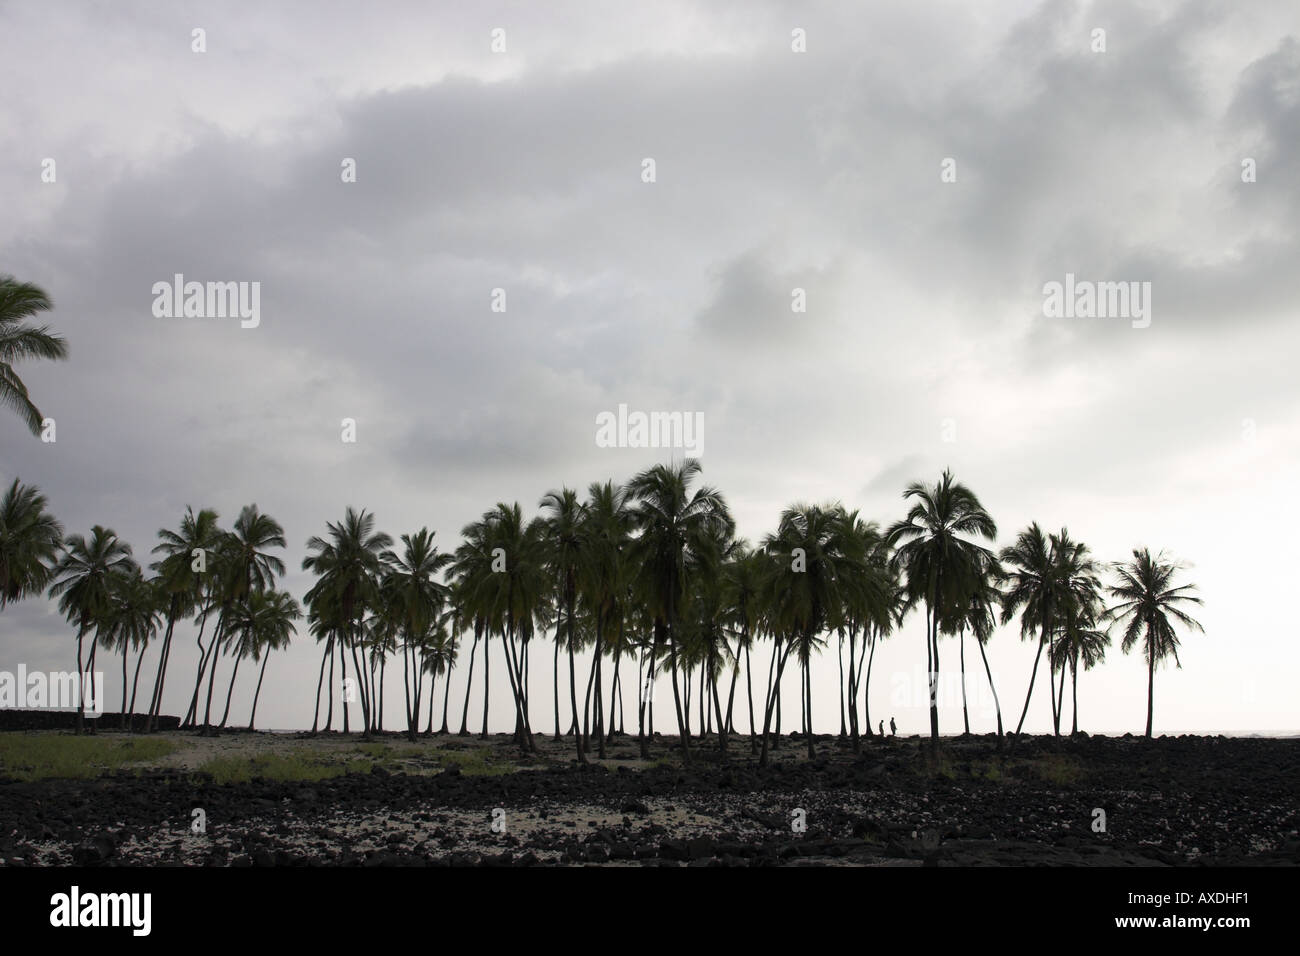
893, 727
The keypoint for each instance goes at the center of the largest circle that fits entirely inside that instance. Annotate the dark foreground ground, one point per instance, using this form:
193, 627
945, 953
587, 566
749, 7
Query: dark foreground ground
1085, 802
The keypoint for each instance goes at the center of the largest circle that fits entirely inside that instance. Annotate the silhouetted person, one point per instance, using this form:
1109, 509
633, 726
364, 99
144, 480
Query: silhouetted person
893, 727
882, 728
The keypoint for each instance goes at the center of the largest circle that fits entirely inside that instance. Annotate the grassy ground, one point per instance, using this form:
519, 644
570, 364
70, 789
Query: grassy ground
308, 764
35, 756
234, 758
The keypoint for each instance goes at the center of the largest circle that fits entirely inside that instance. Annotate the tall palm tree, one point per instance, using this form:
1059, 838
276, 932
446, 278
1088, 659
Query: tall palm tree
130, 622
1077, 611
1083, 642
271, 627
678, 530
603, 582
1032, 588
349, 564
181, 572
1147, 600
564, 516
245, 566
417, 598
867, 606
819, 562
30, 538
507, 585
18, 341
743, 587
932, 547
83, 581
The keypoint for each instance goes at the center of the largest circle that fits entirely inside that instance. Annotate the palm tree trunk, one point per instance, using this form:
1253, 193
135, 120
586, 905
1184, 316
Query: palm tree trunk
683, 725
1032, 677
329, 717
433, 685
252, 715
839, 654
573, 689
1151, 685
642, 700
412, 716
1060, 695
96, 693
807, 683
231, 692
773, 700
135, 686
383, 664
155, 700
964, 714
1074, 697
469, 682
615, 688
749, 694
446, 696
487, 679
555, 681
192, 715
126, 647
212, 678
359, 671
722, 724
866, 691
81, 683
989, 674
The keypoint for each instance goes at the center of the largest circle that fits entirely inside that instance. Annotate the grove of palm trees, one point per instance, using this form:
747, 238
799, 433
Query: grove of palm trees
646, 574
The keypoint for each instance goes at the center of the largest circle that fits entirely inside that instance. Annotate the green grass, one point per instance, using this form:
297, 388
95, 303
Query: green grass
1056, 769
472, 763
37, 756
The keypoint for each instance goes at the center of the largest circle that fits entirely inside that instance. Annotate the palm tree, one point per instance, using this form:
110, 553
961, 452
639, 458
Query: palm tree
130, 622
181, 573
324, 621
1083, 642
1147, 601
1079, 609
245, 567
1032, 588
678, 531
867, 606
819, 562
605, 539
506, 581
980, 618
270, 624
939, 562
416, 599
19, 301
564, 516
83, 581
742, 593
29, 543
349, 566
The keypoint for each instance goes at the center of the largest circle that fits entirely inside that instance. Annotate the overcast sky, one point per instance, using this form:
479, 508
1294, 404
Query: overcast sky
924, 344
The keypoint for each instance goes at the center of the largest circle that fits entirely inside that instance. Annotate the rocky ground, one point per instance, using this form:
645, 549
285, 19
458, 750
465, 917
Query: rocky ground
1186, 800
